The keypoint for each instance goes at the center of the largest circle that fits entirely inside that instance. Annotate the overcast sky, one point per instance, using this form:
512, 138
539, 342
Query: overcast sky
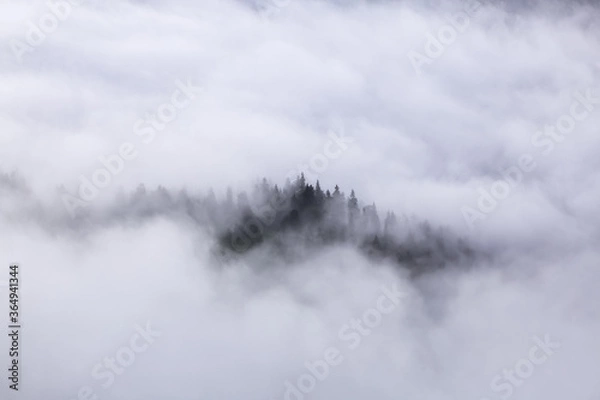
421, 123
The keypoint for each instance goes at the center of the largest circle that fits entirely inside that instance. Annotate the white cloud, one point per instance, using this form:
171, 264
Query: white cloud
273, 90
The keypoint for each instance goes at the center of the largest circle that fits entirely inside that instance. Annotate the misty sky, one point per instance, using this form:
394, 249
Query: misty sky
491, 132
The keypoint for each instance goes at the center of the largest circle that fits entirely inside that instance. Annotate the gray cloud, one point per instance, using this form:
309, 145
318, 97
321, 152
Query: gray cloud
274, 88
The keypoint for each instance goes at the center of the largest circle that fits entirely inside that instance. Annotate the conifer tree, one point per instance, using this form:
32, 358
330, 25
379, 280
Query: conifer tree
319, 195
390, 224
301, 182
353, 202
336, 192
353, 212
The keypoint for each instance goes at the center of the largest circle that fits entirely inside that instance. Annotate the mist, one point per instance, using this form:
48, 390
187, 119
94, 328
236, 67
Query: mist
177, 186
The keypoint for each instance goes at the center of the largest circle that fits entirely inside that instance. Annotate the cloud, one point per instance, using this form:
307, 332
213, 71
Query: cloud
274, 88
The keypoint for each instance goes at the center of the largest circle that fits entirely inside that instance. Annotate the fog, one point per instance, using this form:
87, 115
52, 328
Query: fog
127, 126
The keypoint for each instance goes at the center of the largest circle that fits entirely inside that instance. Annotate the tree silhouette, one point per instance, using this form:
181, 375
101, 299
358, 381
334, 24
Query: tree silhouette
353, 212
307, 213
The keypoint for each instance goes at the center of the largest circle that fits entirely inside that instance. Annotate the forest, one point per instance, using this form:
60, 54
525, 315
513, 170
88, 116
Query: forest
297, 216
300, 215
306, 214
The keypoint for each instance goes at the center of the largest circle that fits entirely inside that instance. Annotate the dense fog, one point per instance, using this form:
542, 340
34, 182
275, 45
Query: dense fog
301, 199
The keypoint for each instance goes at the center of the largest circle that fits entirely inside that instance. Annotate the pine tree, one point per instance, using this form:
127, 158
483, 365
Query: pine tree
319, 195
336, 192
353, 201
276, 194
375, 220
265, 188
390, 225
140, 192
353, 212
301, 183
287, 188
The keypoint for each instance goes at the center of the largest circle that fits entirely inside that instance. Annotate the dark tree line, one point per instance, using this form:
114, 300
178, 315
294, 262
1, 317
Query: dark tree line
303, 212
298, 215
